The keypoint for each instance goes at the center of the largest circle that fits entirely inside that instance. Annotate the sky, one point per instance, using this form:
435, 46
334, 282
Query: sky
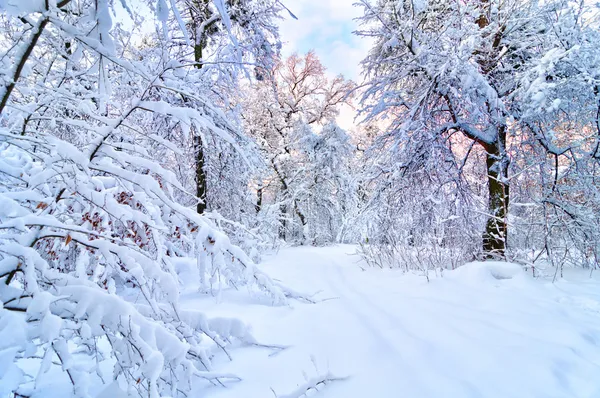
326, 27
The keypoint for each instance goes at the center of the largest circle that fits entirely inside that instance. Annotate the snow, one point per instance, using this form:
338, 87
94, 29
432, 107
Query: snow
162, 11
483, 330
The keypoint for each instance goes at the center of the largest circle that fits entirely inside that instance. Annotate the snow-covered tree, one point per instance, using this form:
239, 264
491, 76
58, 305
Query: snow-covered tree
281, 111
557, 113
466, 84
228, 34
326, 187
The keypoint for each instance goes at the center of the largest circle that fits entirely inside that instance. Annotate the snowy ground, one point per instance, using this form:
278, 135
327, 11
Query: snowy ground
481, 331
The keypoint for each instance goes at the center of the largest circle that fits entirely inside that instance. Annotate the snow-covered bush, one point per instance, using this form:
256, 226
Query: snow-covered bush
91, 228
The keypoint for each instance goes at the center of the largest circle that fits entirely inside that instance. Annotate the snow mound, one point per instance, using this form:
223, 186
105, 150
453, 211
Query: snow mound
488, 272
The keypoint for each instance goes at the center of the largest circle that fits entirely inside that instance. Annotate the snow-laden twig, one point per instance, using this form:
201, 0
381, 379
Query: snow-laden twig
312, 384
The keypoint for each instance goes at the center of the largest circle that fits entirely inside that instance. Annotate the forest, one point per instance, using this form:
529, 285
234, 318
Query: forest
183, 215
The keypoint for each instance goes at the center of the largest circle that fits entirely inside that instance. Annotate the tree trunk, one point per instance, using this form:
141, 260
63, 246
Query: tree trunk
201, 178
200, 174
283, 221
497, 162
259, 197
6, 91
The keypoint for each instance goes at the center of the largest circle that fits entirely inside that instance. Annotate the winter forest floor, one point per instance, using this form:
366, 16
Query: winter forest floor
482, 331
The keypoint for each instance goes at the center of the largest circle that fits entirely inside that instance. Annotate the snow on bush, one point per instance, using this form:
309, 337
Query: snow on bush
91, 233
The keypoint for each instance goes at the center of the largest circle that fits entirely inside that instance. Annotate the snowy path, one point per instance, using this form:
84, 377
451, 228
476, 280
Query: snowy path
467, 334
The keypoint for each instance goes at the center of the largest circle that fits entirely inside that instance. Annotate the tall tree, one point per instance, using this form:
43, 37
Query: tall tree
212, 25
447, 68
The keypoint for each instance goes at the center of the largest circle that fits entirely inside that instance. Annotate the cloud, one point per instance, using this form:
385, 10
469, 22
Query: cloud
326, 26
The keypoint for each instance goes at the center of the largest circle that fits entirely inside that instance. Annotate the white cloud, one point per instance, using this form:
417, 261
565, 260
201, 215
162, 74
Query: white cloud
326, 26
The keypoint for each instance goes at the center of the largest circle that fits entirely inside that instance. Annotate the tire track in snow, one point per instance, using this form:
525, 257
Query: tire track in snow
415, 347
402, 366
442, 318
360, 316
360, 297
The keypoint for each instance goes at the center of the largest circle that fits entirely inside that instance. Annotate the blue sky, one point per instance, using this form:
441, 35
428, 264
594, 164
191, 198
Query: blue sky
326, 26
